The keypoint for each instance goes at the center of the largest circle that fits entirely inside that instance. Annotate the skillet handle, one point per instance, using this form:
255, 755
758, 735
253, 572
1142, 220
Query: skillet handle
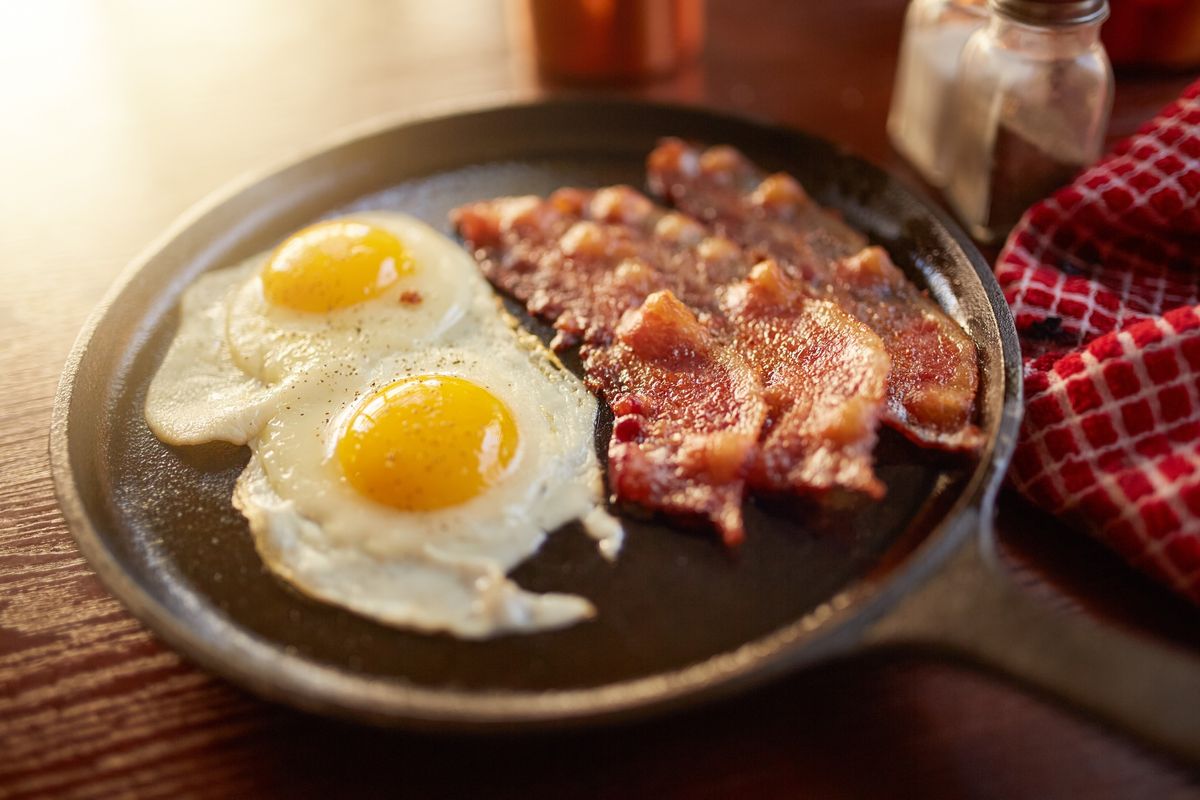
972, 610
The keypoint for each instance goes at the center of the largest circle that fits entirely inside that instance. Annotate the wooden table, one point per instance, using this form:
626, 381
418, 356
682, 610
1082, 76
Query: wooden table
118, 116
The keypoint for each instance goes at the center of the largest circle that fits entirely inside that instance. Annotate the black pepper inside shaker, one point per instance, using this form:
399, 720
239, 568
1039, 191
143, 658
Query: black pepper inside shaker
1033, 96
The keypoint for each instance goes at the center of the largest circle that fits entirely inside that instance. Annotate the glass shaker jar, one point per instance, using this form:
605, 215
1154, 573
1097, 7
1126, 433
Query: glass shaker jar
919, 120
1033, 97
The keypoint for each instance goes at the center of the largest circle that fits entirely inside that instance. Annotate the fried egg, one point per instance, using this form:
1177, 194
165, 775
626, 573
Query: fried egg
410, 445
353, 289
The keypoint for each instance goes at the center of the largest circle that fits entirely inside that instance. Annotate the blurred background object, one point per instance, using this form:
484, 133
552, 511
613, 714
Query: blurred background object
614, 40
1154, 33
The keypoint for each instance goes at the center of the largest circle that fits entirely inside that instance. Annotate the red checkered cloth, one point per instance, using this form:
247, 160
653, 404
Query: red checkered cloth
1104, 279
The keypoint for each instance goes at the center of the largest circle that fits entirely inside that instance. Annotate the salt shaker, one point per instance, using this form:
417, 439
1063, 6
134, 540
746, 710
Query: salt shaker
919, 121
1032, 100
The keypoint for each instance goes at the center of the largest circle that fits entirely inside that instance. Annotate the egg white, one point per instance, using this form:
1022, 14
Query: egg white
199, 394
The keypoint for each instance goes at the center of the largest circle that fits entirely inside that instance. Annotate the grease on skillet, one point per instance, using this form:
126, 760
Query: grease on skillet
673, 598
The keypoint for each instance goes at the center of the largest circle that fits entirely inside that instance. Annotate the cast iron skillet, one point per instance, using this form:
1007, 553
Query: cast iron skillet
680, 619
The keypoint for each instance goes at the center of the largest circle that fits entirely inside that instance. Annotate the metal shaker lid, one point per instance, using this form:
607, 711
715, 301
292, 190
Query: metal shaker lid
1051, 13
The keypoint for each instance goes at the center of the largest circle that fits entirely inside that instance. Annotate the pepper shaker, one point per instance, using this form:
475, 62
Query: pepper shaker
1033, 97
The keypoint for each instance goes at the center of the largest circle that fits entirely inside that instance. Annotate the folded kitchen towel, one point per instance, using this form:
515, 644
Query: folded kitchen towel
1104, 279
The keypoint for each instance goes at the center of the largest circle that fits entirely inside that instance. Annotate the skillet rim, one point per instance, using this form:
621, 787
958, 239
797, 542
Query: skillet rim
833, 628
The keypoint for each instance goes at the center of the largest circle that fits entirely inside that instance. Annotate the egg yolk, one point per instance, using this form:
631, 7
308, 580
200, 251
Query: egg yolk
427, 442
332, 265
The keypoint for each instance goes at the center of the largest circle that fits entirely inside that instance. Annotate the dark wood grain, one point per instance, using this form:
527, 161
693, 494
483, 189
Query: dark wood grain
118, 116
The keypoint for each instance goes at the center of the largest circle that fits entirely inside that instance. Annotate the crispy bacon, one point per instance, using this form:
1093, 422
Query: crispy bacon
934, 376
581, 259
770, 215
680, 338
824, 378
688, 412
935, 368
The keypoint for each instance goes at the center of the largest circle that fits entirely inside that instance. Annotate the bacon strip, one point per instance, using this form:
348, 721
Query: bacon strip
688, 412
935, 368
935, 374
825, 380
581, 259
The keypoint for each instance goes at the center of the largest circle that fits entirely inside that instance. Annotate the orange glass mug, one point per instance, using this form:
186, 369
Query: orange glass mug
615, 40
